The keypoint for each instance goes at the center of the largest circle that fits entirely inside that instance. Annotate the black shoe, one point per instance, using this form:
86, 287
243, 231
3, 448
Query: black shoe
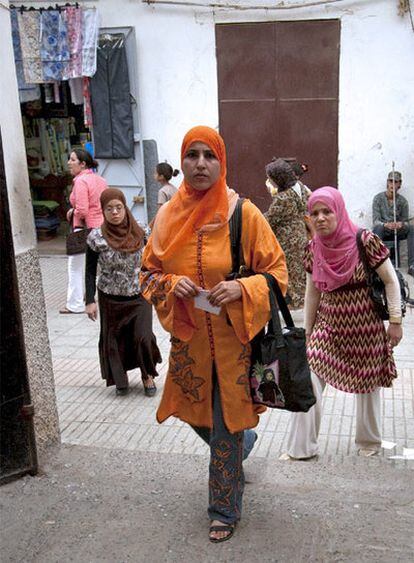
411, 271
150, 391
122, 391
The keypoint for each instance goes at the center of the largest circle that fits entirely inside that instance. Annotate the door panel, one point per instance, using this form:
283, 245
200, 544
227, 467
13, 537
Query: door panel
235, 64
316, 120
278, 96
307, 59
251, 124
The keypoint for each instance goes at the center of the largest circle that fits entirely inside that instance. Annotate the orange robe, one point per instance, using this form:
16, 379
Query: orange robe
200, 338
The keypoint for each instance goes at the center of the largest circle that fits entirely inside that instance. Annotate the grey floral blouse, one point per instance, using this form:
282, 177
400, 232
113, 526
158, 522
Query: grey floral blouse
118, 272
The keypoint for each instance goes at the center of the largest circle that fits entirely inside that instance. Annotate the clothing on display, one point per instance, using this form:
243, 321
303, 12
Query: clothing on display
74, 27
49, 140
27, 91
54, 48
29, 31
90, 31
111, 100
76, 90
54, 44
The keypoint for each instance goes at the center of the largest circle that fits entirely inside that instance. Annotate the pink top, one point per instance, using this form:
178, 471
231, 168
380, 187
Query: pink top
84, 198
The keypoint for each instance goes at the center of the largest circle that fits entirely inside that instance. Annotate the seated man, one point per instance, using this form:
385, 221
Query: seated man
383, 217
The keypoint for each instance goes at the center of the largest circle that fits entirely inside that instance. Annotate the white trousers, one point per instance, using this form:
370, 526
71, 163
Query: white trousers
304, 430
76, 283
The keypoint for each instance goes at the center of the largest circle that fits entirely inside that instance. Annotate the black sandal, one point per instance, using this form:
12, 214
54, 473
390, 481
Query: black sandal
150, 390
223, 528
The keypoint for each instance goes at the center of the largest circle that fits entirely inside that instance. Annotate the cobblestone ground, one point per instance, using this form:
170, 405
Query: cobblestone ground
90, 414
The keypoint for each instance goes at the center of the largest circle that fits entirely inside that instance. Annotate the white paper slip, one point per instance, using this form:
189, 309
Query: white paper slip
388, 445
408, 455
201, 302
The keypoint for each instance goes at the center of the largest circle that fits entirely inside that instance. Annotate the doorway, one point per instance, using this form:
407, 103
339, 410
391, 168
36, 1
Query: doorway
278, 85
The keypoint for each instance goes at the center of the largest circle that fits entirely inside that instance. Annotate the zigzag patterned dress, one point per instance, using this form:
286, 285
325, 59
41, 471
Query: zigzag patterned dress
348, 347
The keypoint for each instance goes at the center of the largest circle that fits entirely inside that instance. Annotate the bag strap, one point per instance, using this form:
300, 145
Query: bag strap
280, 302
274, 327
235, 225
363, 255
276, 299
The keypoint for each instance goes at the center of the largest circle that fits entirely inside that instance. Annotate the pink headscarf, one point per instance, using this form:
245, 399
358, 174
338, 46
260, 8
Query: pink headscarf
335, 255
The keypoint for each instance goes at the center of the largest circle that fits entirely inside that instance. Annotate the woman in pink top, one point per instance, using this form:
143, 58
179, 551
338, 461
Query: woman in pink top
86, 212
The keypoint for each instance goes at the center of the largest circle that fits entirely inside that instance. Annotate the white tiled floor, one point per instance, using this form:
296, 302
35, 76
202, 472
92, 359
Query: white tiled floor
91, 414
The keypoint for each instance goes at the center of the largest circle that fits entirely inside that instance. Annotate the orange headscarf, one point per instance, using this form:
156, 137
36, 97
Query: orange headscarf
190, 210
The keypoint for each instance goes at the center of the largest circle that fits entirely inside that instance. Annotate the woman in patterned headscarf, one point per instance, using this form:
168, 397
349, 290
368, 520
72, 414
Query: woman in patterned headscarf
348, 346
286, 216
185, 262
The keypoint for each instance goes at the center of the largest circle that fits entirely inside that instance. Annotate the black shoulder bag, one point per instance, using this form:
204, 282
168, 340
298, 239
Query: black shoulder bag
279, 374
76, 240
376, 286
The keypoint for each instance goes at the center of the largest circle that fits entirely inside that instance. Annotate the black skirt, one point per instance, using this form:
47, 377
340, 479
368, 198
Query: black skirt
126, 340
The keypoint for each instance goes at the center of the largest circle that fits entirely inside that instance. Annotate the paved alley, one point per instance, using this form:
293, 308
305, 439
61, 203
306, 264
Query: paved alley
90, 413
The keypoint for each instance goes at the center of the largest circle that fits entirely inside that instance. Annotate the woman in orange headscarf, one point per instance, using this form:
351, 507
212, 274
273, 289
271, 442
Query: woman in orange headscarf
184, 269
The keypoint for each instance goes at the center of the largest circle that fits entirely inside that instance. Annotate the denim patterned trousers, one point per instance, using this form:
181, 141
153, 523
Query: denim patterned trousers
227, 452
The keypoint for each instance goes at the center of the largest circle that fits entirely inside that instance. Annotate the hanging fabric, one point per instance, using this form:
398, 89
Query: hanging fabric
54, 48
74, 28
111, 100
27, 92
29, 29
55, 44
90, 31
87, 106
76, 90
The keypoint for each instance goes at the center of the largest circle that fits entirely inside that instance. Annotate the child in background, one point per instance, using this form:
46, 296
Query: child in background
163, 174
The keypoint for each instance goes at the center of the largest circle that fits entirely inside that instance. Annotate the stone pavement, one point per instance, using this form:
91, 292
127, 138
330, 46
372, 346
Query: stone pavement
91, 415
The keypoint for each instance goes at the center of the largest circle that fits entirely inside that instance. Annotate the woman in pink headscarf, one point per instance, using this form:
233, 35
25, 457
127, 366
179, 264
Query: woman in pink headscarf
348, 346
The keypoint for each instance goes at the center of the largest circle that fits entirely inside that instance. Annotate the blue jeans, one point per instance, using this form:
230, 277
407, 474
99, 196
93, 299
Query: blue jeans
227, 452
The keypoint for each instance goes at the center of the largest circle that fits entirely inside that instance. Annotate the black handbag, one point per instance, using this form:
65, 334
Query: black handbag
76, 240
376, 285
279, 373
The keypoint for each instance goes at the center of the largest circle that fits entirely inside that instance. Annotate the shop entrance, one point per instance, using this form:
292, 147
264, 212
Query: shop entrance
82, 93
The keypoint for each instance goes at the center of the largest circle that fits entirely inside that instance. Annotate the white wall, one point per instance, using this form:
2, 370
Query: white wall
21, 210
178, 83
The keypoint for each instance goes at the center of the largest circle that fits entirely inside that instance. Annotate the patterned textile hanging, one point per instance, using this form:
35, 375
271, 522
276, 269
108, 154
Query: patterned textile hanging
29, 29
54, 48
90, 31
54, 44
27, 92
74, 27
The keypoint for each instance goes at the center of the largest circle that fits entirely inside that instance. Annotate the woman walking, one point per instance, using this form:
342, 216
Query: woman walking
126, 339
348, 346
286, 216
85, 213
184, 270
